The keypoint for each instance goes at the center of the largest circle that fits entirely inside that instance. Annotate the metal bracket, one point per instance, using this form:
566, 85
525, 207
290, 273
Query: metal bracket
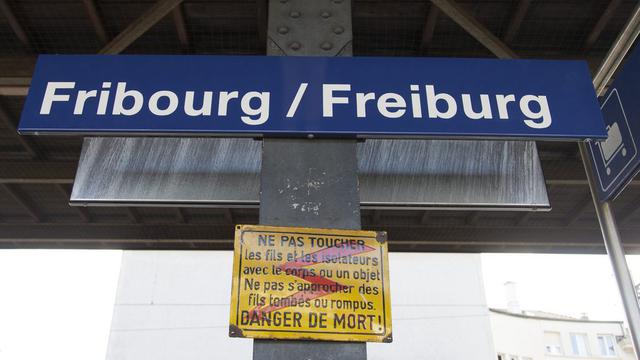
309, 27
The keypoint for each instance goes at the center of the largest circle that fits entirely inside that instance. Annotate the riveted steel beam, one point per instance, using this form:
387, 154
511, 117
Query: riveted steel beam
312, 28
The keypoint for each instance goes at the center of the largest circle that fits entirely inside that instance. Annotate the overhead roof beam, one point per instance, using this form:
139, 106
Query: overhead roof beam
583, 205
523, 218
37, 172
376, 216
82, 211
5, 119
473, 218
182, 216
96, 20
19, 85
86, 234
261, 23
228, 216
139, 26
14, 24
424, 219
516, 21
629, 210
181, 27
21, 199
429, 27
601, 24
463, 18
14, 86
15, 75
133, 215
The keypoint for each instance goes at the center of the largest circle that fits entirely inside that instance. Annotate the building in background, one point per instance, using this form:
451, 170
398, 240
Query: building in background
536, 335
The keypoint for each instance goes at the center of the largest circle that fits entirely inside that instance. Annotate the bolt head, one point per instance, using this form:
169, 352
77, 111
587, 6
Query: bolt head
325, 14
338, 30
326, 45
295, 14
295, 45
283, 30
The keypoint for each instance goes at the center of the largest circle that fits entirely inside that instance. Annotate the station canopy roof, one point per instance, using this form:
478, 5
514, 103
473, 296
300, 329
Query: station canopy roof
36, 172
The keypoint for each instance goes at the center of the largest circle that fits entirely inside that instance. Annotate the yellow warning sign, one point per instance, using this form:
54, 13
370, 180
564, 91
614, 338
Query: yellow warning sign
304, 283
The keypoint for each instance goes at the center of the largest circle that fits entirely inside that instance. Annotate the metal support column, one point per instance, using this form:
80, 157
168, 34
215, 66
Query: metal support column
307, 182
604, 211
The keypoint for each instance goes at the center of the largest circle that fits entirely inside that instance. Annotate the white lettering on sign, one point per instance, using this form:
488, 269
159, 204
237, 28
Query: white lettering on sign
50, 95
534, 110
328, 99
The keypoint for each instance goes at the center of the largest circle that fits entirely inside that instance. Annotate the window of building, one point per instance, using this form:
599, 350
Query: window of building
502, 357
606, 343
552, 343
579, 345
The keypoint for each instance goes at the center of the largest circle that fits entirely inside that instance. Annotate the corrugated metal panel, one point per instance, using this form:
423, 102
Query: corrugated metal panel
393, 173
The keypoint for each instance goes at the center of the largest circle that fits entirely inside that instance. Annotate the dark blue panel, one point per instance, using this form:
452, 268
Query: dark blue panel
541, 99
616, 160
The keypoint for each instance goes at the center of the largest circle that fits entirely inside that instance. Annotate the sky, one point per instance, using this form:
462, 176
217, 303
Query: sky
563, 284
57, 304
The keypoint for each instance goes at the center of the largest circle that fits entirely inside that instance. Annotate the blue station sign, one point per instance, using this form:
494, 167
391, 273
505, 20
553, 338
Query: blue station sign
616, 161
319, 96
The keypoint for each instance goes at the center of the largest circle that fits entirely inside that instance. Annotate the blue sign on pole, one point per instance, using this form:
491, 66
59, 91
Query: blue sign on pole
616, 161
319, 96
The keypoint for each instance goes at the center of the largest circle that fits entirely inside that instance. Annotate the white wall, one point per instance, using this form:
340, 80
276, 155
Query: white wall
438, 309
174, 305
